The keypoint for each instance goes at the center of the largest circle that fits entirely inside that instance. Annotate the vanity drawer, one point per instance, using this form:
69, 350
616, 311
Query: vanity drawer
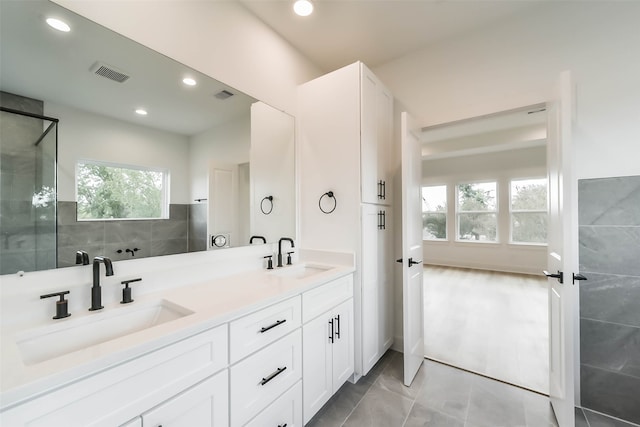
126, 389
259, 329
261, 378
286, 410
325, 297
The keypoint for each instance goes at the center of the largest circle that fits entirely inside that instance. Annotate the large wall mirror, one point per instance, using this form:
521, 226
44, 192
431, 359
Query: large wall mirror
114, 149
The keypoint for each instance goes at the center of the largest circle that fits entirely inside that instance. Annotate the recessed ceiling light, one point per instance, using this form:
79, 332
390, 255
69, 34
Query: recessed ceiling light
303, 7
58, 25
141, 112
189, 81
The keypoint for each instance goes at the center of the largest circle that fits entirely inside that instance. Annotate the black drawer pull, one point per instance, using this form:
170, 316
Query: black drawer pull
272, 376
337, 318
278, 323
332, 335
282, 425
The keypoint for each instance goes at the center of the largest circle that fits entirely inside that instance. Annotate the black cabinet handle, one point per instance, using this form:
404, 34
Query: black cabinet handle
559, 275
272, 376
578, 276
282, 425
384, 190
278, 323
412, 262
332, 333
337, 319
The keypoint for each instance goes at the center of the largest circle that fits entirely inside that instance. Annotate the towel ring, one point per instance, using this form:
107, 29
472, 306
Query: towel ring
330, 195
269, 208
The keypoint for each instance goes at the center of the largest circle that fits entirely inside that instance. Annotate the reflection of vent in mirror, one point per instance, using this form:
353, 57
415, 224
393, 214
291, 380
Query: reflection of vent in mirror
223, 94
109, 72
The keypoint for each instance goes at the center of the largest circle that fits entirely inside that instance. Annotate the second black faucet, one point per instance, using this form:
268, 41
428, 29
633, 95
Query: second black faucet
96, 290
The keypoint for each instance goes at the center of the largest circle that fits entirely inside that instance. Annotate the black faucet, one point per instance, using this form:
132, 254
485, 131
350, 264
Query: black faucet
280, 249
257, 237
82, 257
96, 290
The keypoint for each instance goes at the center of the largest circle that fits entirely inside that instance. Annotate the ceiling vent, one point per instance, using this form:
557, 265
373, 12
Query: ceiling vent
109, 72
223, 94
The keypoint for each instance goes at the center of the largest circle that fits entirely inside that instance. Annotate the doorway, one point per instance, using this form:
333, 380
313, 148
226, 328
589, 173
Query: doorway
486, 300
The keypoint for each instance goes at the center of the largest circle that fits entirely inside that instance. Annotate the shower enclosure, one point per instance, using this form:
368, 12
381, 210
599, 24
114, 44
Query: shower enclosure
28, 148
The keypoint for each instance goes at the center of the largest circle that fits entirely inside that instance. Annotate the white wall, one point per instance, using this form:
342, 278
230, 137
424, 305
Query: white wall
516, 64
219, 38
501, 167
88, 136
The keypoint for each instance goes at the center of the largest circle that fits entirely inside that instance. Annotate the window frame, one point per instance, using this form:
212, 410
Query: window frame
512, 211
166, 179
495, 212
445, 213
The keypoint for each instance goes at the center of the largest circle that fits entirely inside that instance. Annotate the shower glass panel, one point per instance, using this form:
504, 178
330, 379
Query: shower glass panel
28, 147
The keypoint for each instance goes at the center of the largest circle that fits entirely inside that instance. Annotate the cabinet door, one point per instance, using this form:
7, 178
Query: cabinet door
204, 405
342, 348
386, 264
369, 296
368, 136
376, 133
316, 365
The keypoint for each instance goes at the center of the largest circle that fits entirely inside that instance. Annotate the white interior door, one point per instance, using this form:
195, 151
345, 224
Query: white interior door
223, 202
562, 253
412, 271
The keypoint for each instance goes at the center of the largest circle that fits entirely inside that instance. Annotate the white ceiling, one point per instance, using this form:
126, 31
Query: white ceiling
41, 63
340, 32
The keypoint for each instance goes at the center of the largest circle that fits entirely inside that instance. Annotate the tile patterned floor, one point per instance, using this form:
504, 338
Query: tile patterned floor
440, 396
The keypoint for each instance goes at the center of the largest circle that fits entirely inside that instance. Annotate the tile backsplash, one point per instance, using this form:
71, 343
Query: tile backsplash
609, 230
151, 237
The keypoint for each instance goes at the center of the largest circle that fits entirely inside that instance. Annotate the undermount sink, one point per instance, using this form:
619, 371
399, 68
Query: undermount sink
301, 271
47, 342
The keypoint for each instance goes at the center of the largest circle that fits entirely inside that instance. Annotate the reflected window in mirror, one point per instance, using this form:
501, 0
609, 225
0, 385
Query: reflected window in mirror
114, 191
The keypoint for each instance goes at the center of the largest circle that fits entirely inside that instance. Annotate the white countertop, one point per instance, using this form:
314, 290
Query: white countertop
213, 302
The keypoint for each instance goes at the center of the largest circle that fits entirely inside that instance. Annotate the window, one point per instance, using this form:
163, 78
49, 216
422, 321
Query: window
111, 191
529, 211
477, 212
434, 212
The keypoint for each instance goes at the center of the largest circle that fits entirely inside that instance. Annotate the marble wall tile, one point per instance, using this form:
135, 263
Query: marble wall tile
613, 249
162, 229
81, 234
127, 232
66, 213
610, 346
179, 212
197, 227
609, 201
611, 298
610, 393
168, 247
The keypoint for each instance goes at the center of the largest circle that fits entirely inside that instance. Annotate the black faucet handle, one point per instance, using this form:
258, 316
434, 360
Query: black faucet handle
269, 262
126, 291
82, 257
62, 305
289, 257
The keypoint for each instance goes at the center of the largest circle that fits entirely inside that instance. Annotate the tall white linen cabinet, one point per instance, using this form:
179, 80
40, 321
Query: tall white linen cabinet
345, 130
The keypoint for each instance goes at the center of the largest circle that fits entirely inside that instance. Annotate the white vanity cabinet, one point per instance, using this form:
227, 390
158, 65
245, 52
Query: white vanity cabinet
327, 351
204, 405
119, 394
345, 130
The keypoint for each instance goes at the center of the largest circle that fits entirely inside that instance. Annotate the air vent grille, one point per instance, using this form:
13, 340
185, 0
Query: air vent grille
109, 72
223, 94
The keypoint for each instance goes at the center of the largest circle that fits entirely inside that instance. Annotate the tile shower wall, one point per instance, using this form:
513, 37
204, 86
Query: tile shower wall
609, 219
197, 227
151, 237
27, 230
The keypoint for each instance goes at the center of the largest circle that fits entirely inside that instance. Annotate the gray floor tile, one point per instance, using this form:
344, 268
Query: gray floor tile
599, 420
495, 404
380, 408
337, 409
581, 420
446, 389
421, 416
392, 377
